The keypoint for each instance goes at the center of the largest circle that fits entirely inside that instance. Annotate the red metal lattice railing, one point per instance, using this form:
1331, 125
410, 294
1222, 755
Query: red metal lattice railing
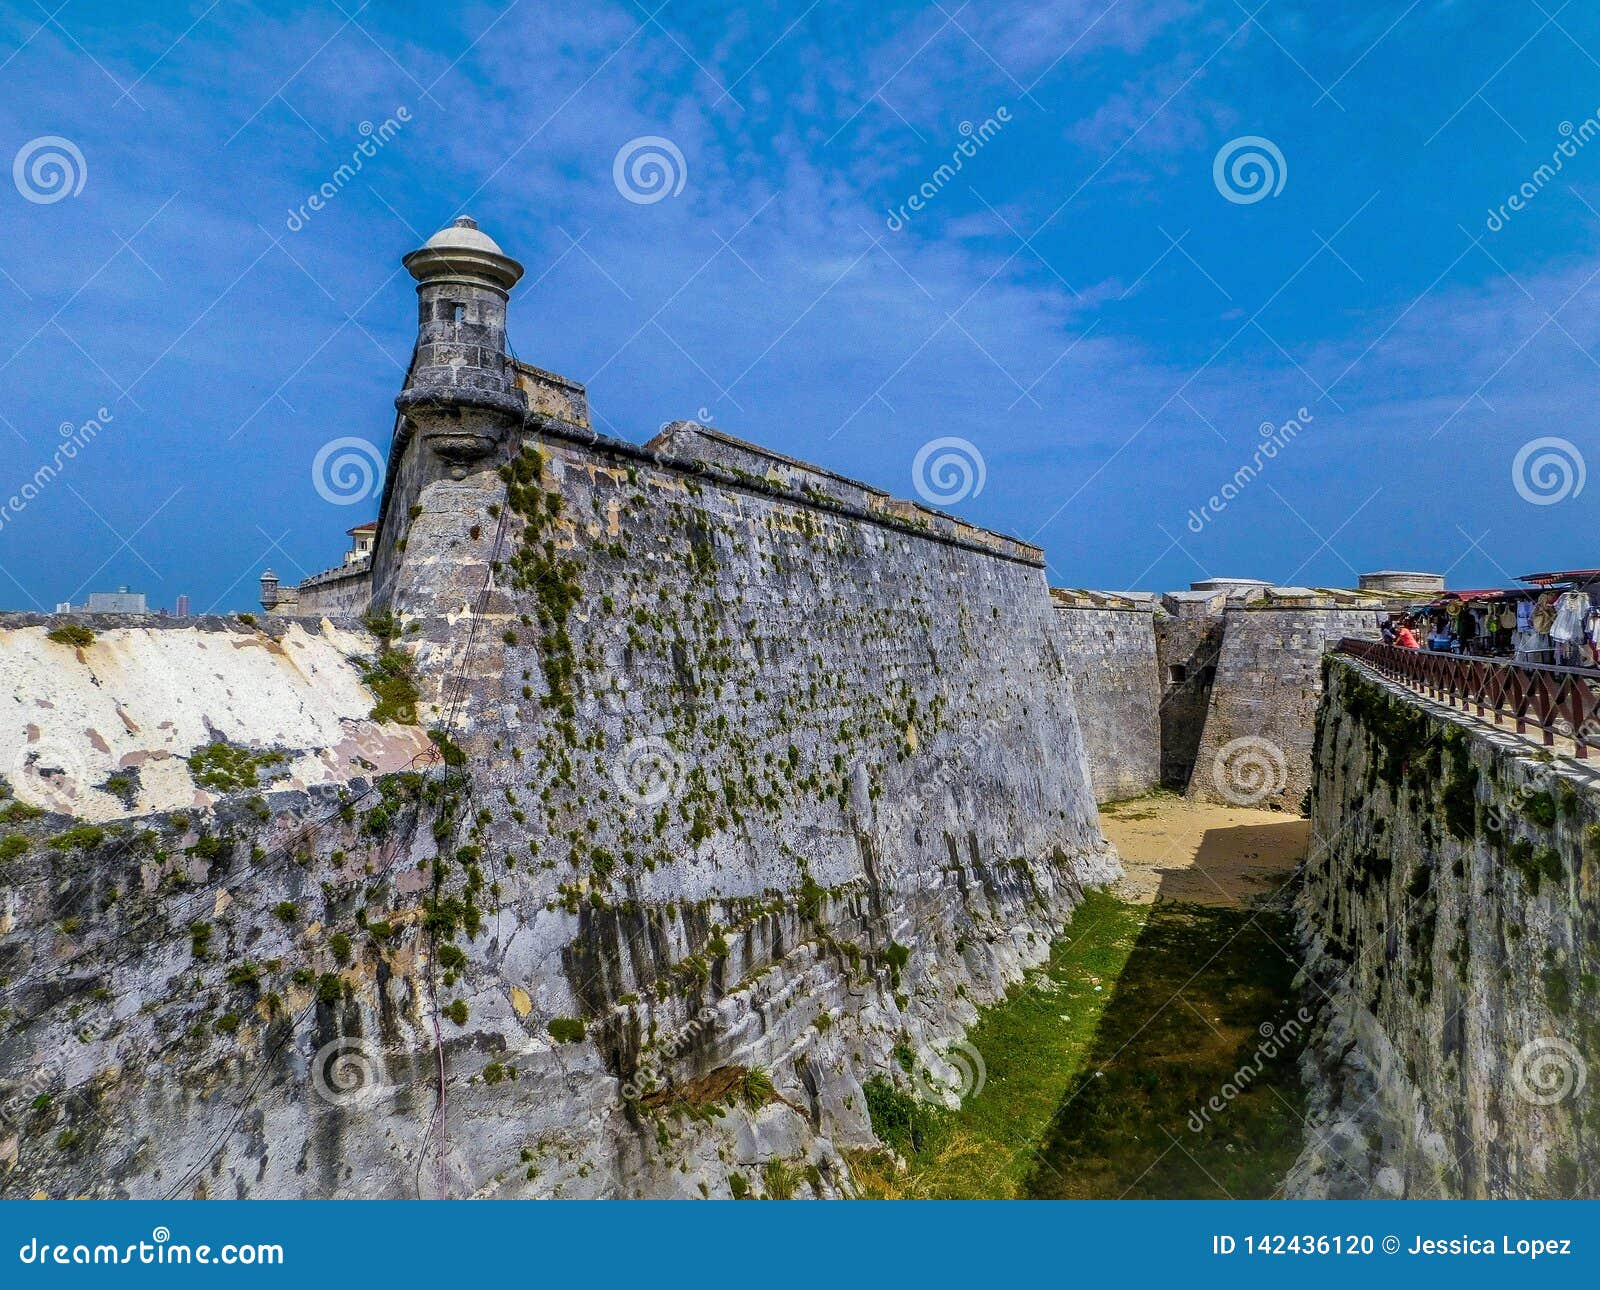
1553, 700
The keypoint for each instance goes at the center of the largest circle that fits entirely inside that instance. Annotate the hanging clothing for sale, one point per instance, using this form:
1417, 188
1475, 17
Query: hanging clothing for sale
1524, 615
1571, 610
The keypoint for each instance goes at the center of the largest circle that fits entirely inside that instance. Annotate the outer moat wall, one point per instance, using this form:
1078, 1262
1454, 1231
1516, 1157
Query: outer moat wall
1450, 917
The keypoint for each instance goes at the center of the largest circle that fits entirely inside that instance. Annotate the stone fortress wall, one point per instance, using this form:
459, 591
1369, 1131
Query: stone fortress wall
1448, 917
335, 593
1255, 747
1188, 631
748, 777
835, 693
1210, 692
1109, 644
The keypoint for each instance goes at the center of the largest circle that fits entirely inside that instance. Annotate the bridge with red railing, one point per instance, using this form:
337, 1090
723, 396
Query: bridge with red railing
1553, 700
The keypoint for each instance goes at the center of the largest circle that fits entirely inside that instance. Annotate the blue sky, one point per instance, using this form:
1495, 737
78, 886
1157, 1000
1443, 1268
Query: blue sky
1082, 302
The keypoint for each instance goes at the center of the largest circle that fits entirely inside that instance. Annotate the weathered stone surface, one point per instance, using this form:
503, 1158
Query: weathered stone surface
343, 591
1110, 651
149, 692
1188, 630
1449, 919
1256, 746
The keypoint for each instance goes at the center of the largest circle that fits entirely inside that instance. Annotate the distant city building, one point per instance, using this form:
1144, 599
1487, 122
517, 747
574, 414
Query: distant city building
182, 610
361, 539
120, 601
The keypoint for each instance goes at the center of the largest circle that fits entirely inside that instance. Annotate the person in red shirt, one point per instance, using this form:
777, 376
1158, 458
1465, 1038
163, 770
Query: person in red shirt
1404, 637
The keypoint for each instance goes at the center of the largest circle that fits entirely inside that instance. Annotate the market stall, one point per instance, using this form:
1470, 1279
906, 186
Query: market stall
1565, 618
1492, 622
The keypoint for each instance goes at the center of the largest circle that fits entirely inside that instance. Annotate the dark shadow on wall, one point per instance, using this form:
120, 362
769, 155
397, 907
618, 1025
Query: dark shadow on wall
1188, 671
1191, 1088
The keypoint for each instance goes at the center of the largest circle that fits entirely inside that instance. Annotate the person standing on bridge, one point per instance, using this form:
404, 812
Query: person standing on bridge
1404, 637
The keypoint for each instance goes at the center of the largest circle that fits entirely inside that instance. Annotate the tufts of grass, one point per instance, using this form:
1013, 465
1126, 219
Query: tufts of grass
393, 683
227, 768
567, 1030
72, 634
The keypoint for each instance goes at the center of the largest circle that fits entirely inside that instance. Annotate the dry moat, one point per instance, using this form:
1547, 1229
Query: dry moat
1114, 1070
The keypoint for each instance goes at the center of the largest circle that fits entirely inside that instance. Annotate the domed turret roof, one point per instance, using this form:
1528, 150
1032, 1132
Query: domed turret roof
463, 234
463, 250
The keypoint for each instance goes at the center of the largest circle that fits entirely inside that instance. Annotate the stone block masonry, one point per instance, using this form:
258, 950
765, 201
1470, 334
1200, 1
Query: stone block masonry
337, 592
1449, 918
766, 731
1256, 745
1211, 691
1110, 651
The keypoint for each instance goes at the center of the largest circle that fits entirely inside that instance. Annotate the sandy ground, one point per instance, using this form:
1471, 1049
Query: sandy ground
1202, 853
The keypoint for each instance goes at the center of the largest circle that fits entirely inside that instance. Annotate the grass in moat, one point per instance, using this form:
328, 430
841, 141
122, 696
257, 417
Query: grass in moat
1147, 806
1100, 1066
